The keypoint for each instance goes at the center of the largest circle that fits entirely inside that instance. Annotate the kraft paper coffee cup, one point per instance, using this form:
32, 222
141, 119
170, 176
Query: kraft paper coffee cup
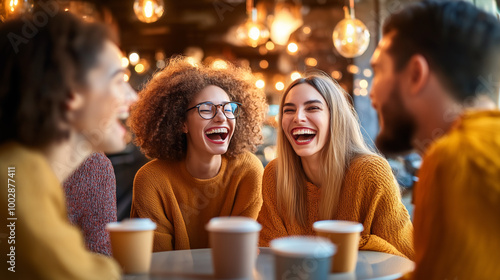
234, 246
344, 234
132, 244
302, 257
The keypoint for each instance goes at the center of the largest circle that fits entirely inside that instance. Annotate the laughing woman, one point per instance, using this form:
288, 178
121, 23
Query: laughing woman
199, 124
325, 171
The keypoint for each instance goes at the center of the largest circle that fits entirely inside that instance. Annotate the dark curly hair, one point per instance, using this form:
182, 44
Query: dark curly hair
38, 71
460, 42
158, 116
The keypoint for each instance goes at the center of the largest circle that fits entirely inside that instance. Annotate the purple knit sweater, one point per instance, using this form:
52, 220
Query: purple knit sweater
91, 201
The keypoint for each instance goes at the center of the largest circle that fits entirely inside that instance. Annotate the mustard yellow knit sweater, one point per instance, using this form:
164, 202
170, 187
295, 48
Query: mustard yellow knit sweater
457, 203
44, 243
182, 205
369, 195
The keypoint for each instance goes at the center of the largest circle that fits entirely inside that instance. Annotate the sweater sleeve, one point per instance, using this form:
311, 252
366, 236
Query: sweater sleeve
269, 217
91, 201
248, 201
388, 227
149, 202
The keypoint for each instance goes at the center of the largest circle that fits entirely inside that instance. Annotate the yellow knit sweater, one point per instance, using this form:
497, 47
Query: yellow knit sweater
46, 245
457, 203
182, 205
369, 195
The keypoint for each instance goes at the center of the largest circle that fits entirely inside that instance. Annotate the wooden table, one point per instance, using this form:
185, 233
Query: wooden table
197, 264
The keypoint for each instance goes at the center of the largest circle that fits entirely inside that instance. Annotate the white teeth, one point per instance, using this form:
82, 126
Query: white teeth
216, 130
303, 131
123, 115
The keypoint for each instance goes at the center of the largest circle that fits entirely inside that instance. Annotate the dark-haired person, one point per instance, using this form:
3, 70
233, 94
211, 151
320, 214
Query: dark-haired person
433, 68
325, 171
199, 124
60, 96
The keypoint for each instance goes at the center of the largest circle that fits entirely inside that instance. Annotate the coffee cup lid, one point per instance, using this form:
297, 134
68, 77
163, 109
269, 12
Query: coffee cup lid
303, 246
233, 224
135, 224
337, 226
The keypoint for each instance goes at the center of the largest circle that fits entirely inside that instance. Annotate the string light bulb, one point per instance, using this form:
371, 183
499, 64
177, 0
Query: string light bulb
148, 10
351, 37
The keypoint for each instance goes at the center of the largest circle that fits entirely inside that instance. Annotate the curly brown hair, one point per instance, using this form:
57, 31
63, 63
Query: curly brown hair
158, 116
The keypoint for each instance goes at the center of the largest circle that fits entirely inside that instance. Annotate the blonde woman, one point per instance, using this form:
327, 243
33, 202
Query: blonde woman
324, 171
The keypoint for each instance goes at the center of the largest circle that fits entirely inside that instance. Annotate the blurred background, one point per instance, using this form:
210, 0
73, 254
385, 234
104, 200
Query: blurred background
277, 39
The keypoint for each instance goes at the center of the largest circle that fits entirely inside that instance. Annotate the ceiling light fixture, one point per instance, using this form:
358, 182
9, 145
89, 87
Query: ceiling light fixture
287, 18
252, 33
351, 37
148, 10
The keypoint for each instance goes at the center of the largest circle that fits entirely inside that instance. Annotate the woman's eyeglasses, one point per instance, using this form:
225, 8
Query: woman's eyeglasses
208, 110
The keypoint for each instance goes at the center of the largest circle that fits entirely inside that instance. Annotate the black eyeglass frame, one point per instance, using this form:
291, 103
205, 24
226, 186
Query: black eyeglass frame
197, 106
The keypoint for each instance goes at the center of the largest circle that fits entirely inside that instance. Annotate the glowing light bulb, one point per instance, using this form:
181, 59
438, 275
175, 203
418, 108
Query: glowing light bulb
264, 64
133, 58
270, 46
311, 61
287, 18
125, 62
349, 30
252, 33
295, 75
351, 37
219, 64
293, 48
148, 10
337, 75
279, 86
260, 84
139, 68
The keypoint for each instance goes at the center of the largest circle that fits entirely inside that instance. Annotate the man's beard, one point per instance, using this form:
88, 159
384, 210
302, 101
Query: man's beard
398, 128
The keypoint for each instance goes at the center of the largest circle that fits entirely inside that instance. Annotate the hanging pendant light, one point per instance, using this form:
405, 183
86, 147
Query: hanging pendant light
252, 33
351, 37
148, 10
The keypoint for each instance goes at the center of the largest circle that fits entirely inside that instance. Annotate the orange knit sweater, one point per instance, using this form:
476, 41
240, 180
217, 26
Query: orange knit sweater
182, 205
369, 195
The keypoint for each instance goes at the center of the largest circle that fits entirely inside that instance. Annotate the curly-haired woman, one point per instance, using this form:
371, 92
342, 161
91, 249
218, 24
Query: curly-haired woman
199, 124
325, 171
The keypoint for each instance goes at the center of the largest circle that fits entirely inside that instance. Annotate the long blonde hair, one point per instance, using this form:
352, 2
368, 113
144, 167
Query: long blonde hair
345, 142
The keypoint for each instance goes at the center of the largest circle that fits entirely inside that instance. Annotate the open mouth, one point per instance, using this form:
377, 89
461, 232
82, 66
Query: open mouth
217, 135
123, 115
303, 135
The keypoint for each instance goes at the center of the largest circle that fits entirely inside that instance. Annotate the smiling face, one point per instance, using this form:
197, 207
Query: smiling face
306, 120
212, 136
108, 98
